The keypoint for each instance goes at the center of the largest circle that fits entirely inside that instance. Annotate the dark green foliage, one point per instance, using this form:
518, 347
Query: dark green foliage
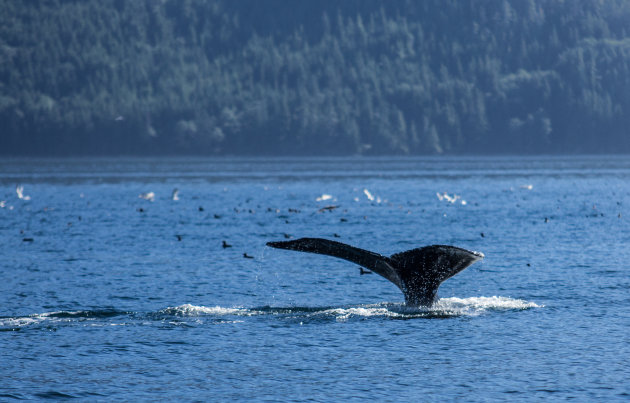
313, 77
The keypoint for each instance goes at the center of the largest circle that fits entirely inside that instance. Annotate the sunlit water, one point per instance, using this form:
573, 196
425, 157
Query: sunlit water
107, 296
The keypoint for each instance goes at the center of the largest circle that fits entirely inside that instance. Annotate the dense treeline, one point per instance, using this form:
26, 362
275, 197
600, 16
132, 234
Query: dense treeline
325, 77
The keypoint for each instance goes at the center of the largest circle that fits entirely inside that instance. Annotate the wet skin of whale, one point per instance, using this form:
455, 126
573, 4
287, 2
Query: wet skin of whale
417, 272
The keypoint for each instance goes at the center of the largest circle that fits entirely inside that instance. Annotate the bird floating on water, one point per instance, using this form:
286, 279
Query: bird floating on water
324, 197
150, 196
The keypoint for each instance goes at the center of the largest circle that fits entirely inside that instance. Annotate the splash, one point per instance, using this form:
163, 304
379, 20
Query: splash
194, 310
194, 315
488, 303
444, 308
474, 306
57, 317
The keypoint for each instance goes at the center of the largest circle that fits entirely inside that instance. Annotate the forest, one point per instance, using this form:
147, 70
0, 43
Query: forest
291, 77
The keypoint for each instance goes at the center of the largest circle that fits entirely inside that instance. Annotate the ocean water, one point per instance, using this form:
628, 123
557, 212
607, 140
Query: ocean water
107, 296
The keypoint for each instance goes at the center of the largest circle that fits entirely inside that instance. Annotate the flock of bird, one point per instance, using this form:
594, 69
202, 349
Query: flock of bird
151, 197
19, 190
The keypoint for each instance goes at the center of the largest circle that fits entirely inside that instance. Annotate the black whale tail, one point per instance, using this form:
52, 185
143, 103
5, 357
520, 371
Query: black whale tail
417, 272
424, 269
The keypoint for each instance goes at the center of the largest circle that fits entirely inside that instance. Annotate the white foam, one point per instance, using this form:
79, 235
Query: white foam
343, 314
445, 307
19, 322
22, 321
471, 306
195, 310
474, 306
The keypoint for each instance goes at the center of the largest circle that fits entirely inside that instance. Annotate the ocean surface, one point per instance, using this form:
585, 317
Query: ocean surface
108, 296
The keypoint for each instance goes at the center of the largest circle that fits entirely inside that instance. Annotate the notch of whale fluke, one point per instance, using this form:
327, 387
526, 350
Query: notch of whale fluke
418, 273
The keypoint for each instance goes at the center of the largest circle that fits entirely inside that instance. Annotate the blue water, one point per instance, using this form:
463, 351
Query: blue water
100, 300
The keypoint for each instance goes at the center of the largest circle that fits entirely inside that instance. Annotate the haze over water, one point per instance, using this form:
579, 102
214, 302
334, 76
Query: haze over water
106, 295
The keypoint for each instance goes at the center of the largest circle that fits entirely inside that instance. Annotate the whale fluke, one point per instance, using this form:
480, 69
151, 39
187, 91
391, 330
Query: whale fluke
417, 272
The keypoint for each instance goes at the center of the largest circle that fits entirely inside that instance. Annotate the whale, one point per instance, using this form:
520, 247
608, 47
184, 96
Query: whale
418, 272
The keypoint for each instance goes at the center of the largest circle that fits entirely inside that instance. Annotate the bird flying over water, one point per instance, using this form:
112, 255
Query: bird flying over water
19, 189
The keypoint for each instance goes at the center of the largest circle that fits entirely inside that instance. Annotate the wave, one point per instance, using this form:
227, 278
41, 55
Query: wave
444, 308
183, 314
485, 303
18, 322
194, 310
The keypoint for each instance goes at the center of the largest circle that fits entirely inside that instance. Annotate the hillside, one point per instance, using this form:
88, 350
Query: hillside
324, 78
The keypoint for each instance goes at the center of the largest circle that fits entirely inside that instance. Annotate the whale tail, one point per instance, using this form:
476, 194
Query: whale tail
417, 272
